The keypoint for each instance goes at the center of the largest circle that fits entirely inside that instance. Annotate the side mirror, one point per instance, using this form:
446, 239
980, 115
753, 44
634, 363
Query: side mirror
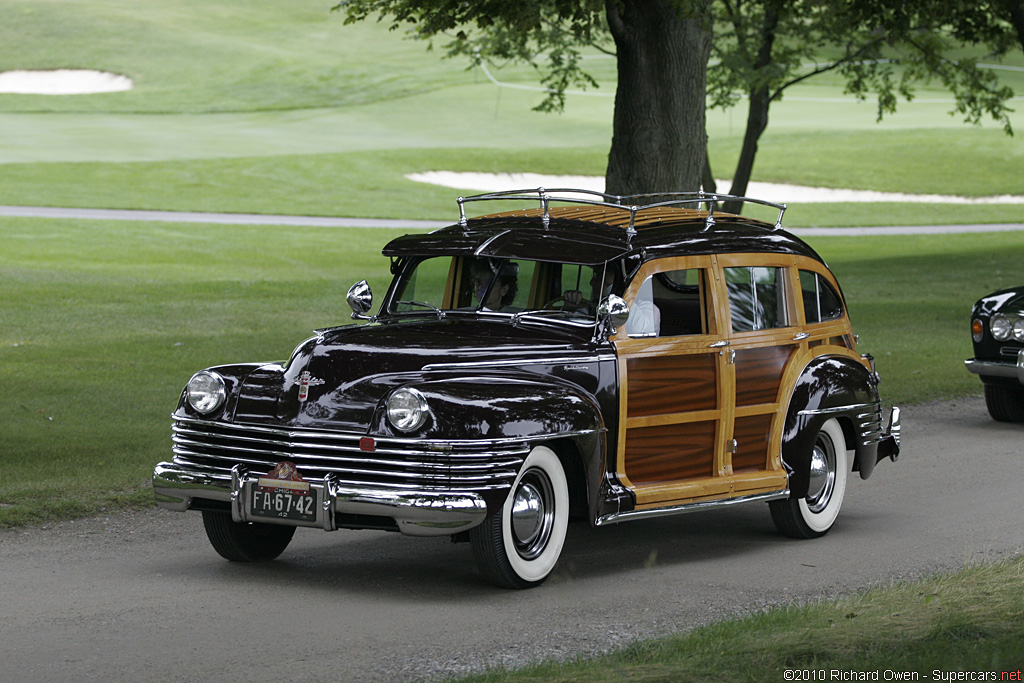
614, 311
360, 300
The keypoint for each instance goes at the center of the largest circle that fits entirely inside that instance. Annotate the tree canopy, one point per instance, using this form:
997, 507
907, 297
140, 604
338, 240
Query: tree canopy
669, 66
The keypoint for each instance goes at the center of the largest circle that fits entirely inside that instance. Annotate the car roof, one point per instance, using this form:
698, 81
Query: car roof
593, 234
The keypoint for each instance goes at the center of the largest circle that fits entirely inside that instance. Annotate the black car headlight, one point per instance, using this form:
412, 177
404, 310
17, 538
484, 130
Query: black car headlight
407, 409
206, 392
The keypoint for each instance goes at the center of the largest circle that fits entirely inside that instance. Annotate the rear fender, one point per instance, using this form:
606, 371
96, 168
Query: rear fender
830, 387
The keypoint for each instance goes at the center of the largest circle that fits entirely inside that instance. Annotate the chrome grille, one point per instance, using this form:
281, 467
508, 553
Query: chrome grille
216, 447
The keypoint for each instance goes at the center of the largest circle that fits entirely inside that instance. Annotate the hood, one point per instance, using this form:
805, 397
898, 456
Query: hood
338, 378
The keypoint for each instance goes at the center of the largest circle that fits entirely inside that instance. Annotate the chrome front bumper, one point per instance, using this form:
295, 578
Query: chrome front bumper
997, 369
416, 513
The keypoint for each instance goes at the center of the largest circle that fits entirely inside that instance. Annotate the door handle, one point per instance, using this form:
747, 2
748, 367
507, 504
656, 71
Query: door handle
719, 344
801, 336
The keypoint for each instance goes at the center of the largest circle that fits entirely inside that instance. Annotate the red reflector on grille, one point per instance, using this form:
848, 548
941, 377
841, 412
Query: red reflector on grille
367, 444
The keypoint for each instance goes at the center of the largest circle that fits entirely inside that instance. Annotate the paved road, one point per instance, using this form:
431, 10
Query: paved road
408, 224
142, 597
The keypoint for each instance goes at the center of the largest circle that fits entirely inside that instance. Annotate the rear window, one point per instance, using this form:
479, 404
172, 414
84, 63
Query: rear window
821, 302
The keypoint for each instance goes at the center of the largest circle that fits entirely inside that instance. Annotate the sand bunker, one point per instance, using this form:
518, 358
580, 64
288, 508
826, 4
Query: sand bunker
62, 82
773, 192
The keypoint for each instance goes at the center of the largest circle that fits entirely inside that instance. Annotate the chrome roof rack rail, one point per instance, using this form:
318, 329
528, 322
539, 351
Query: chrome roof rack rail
634, 203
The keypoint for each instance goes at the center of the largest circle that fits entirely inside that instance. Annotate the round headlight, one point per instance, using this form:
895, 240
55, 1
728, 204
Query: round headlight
1001, 327
407, 409
206, 392
1018, 330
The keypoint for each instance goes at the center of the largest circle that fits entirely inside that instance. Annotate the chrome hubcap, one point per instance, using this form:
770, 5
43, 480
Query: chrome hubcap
532, 514
822, 475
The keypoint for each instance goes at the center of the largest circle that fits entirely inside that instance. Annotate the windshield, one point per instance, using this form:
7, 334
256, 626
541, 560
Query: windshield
504, 286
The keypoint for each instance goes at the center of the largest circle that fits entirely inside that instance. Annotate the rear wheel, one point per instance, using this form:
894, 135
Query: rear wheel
518, 545
814, 515
1005, 404
245, 541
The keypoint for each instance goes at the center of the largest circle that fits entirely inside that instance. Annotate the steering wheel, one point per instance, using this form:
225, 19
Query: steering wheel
552, 305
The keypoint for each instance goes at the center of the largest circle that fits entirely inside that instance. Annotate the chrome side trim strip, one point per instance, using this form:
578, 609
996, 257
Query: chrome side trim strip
839, 409
436, 446
573, 360
689, 507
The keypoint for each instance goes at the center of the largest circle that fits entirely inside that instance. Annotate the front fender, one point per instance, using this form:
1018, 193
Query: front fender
501, 408
831, 387
565, 417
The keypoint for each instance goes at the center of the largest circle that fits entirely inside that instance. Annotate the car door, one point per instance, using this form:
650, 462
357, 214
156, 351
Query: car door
676, 386
688, 431
767, 343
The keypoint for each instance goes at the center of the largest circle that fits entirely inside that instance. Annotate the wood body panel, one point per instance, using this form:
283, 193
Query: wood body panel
702, 415
753, 435
669, 452
672, 384
759, 373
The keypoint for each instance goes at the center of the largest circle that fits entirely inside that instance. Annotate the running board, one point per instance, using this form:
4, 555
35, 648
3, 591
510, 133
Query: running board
690, 507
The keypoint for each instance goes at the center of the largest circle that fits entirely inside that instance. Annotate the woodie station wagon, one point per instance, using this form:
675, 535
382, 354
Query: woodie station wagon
581, 356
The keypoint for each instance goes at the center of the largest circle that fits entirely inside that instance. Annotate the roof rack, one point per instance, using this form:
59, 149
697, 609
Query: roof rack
546, 196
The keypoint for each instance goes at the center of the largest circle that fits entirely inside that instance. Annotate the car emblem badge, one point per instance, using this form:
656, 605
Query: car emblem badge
305, 382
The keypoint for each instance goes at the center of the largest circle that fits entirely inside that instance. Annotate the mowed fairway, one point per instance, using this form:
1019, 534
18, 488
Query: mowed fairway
281, 108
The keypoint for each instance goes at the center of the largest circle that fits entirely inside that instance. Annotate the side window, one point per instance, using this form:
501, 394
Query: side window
757, 299
669, 304
821, 302
679, 296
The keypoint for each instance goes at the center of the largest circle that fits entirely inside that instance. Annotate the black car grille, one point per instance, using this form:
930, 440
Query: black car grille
216, 447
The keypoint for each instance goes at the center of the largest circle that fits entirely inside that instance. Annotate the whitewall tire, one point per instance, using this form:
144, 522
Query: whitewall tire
814, 515
519, 545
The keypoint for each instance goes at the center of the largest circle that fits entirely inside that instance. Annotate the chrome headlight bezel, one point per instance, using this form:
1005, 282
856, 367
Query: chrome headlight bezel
407, 409
1001, 327
1018, 330
206, 392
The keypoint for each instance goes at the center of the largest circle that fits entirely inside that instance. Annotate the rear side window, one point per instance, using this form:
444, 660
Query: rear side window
756, 298
821, 302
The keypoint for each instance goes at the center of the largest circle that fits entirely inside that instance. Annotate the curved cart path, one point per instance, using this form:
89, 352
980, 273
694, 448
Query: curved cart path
143, 597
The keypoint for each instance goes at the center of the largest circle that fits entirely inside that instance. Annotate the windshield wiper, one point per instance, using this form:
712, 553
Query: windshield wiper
440, 313
570, 316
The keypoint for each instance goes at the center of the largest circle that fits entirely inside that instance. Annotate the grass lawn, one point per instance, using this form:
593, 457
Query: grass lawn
104, 322
946, 628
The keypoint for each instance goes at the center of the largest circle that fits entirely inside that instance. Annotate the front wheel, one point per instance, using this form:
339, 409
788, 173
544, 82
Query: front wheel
814, 515
1005, 404
245, 541
518, 545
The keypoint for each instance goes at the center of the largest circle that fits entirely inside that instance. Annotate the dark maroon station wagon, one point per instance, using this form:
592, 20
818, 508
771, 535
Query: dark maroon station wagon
587, 357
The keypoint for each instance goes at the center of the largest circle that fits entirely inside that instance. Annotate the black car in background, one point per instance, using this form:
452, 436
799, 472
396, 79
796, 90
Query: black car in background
997, 330
597, 358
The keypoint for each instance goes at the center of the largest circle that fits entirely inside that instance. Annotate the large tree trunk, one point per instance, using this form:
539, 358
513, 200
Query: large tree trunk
658, 134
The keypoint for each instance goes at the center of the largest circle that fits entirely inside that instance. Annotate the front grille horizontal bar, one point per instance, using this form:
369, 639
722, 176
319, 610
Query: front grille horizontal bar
401, 463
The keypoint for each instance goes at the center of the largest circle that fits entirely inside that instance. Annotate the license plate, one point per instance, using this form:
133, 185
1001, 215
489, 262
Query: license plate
283, 494
278, 503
